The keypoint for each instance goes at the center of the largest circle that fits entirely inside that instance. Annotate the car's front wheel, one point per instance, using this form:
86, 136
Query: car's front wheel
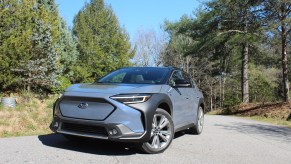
161, 134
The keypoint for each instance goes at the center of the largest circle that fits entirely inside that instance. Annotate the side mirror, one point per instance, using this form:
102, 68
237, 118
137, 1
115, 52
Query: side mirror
181, 83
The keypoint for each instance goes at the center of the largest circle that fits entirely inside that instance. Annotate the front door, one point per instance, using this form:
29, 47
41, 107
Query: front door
182, 98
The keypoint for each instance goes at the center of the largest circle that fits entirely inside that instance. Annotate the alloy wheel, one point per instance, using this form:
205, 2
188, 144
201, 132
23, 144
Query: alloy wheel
200, 119
161, 133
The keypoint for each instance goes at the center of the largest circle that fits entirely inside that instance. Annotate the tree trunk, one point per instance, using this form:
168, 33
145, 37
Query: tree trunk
211, 99
29, 82
245, 63
245, 79
284, 61
220, 92
215, 97
187, 63
223, 89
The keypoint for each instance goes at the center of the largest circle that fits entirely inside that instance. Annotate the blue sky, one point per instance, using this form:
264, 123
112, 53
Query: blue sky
134, 15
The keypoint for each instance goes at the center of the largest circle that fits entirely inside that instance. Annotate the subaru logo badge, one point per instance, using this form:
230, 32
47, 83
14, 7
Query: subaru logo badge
83, 105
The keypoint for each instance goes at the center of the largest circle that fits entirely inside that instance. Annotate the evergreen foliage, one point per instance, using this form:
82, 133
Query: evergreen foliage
103, 45
67, 47
239, 42
234, 49
41, 70
34, 45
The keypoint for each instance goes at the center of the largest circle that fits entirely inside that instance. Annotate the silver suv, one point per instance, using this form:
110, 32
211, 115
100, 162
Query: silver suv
144, 105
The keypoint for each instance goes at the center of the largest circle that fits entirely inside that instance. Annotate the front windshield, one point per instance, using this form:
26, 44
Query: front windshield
142, 75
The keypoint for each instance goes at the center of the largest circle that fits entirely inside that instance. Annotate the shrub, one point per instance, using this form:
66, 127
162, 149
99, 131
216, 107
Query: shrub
63, 84
263, 84
232, 95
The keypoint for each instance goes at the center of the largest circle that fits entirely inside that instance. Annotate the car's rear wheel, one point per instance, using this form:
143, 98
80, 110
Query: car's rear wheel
197, 129
161, 134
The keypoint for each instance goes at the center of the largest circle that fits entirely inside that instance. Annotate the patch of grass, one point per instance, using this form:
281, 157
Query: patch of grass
276, 113
31, 127
51, 101
273, 121
216, 112
32, 116
4, 123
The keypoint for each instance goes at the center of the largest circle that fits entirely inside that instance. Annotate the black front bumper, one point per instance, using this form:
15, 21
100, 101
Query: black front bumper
96, 130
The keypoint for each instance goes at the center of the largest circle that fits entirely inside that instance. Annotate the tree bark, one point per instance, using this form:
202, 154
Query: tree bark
215, 97
220, 92
245, 62
245, 79
284, 60
211, 99
223, 89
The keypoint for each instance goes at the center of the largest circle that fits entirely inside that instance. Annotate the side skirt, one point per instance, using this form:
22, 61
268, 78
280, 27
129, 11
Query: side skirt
184, 127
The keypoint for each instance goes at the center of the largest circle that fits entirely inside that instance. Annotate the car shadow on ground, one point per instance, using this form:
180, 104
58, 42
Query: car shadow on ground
94, 146
182, 133
91, 146
282, 134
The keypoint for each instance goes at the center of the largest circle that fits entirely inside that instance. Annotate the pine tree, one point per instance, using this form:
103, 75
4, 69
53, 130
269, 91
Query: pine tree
278, 16
30, 36
41, 70
103, 45
67, 47
15, 31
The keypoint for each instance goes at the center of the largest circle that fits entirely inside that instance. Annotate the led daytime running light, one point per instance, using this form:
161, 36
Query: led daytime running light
131, 99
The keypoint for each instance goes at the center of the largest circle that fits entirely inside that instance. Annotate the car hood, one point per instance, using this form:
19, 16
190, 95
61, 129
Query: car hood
114, 88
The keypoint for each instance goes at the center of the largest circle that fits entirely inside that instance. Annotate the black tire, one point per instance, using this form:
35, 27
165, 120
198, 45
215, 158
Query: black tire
161, 135
199, 122
73, 138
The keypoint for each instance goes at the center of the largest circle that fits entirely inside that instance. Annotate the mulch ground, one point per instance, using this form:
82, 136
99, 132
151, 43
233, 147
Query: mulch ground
280, 110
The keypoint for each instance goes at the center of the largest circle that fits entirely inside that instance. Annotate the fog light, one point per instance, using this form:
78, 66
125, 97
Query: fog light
112, 132
56, 124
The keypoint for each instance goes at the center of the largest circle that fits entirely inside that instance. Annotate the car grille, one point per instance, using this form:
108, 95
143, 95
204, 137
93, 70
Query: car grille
97, 109
85, 129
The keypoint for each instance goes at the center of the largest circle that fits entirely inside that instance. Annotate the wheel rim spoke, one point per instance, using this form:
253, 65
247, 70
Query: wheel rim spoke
165, 133
156, 142
152, 133
155, 124
163, 122
200, 119
164, 138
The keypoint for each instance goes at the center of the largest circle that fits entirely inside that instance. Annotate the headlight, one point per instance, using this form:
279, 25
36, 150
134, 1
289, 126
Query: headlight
131, 98
55, 109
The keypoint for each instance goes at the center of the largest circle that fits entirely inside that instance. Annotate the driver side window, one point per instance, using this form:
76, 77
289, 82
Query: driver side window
178, 75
